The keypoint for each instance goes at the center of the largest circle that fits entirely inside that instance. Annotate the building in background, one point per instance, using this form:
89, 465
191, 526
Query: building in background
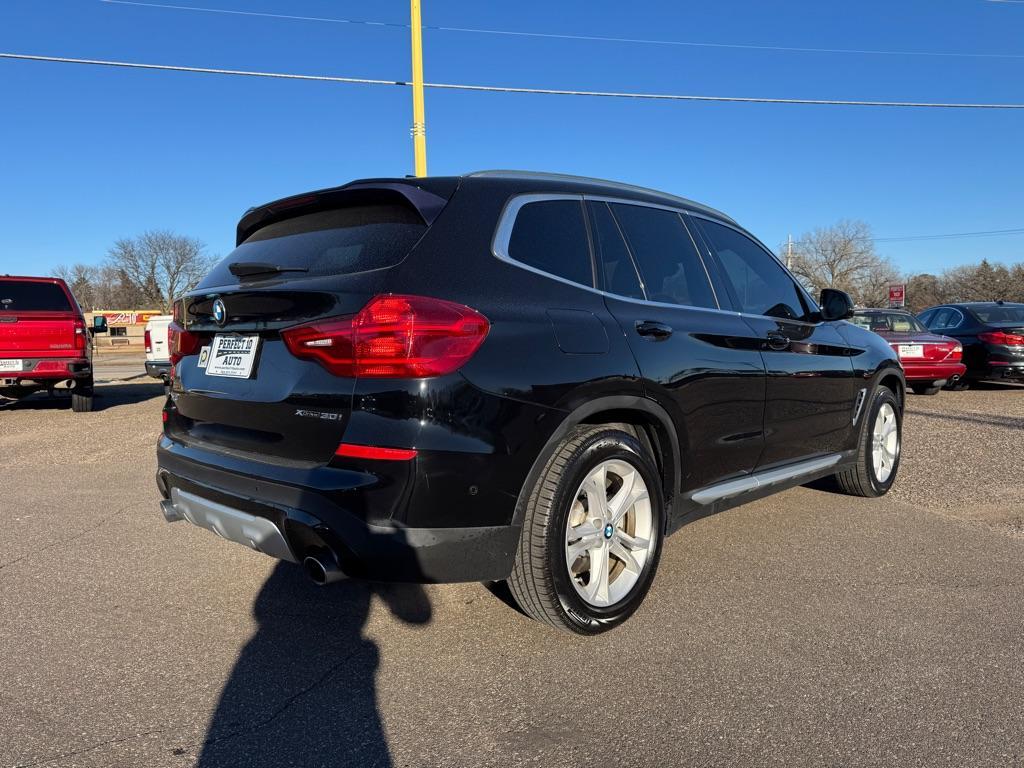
127, 326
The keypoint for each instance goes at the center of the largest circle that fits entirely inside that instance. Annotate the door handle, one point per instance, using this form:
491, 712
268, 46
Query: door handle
777, 341
653, 329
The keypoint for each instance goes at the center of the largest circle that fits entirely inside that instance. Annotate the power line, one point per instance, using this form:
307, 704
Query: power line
983, 233
591, 38
511, 89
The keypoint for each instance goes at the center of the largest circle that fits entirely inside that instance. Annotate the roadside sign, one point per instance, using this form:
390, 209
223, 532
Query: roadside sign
897, 295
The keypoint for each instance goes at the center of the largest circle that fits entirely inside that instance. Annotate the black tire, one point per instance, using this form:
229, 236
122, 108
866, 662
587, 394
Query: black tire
960, 386
81, 397
925, 389
540, 580
860, 478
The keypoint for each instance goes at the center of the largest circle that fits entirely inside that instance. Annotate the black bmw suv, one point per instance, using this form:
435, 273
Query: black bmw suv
508, 376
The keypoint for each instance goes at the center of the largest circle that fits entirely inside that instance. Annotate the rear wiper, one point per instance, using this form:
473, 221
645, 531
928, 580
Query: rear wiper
250, 268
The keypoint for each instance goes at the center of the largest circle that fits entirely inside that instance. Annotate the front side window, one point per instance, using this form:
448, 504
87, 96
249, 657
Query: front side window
759, 282
669, 264
550, 235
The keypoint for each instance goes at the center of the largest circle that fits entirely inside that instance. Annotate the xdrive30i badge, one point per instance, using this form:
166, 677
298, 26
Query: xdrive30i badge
326, 415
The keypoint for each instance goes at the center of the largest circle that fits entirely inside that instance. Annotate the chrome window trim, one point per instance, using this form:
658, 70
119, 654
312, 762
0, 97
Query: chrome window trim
506, 221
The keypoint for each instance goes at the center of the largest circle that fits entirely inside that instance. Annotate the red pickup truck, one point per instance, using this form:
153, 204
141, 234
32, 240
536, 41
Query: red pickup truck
44, 342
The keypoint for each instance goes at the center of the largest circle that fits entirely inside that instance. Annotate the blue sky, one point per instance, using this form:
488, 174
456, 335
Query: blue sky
93, 154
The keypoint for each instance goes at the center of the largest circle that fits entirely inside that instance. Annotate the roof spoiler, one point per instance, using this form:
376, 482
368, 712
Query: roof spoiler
426, 203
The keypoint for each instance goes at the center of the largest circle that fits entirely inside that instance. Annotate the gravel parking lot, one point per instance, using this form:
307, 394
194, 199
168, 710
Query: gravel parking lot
806, 629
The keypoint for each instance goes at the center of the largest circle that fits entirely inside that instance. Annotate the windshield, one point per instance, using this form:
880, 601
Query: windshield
889, 322
335, 242
997, 314
23, 296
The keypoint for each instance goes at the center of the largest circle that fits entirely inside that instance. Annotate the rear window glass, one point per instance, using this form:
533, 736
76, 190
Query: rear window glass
550, 236
998, 314
335, 242
896, 322
19, 296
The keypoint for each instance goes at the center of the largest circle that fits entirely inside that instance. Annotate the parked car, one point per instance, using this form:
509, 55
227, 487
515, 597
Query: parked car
158, 361
991, 332
930, 361
44, 341
508, 376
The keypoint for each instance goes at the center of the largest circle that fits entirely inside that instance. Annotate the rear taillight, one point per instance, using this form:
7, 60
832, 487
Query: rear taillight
147, 340
178, 312
1002, 337
393, 337
181, 343
81, 337
956, 353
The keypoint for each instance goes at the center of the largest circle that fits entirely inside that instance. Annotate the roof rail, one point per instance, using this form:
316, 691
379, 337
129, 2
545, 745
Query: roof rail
545, 176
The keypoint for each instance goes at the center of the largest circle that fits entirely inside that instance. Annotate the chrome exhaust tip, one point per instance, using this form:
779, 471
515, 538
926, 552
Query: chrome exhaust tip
322, 571
171, 513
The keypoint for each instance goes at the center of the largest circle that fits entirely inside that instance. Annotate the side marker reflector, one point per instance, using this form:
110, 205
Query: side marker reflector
374, 452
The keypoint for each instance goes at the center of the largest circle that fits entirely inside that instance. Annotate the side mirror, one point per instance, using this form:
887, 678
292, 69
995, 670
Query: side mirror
835, 305
99, 324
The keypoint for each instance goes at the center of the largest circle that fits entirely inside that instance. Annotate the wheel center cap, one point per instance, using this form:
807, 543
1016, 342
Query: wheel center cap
609, 531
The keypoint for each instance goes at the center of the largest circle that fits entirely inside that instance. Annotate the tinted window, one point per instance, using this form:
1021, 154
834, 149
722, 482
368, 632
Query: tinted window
335, 242
940, 319
613, 258
759, 282
550, 235
926, 316
19, 296
997, 314
668, 261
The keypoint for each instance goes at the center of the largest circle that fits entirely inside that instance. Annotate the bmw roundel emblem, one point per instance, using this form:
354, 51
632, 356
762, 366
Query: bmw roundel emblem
609, 531
220, 312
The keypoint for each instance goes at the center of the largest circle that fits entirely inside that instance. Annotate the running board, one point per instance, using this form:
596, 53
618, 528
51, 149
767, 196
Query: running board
770, 477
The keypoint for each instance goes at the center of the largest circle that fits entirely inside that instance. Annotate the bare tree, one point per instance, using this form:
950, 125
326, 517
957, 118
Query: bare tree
81, 279
158, 266
843, 256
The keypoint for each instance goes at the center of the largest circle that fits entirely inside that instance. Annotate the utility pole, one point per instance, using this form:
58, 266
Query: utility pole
419, 126
789, 253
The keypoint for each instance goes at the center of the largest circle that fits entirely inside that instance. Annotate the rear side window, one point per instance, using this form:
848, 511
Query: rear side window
335, 242
997, 314
549, 235
669, 264
759, 282
21, 296
615, 264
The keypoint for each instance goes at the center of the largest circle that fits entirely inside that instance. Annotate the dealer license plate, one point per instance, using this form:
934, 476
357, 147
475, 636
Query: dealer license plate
232, 355
911, 350
11, 365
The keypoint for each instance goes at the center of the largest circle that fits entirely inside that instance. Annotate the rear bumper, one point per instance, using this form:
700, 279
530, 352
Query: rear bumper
49, 369
997, 372
921, 372
159, 369
291, 521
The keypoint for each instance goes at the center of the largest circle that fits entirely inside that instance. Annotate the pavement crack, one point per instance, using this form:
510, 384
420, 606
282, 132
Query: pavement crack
60, 542
91, 748
285, 705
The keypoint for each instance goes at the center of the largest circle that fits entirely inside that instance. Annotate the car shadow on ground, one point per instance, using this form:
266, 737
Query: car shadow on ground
303, 689
105, 397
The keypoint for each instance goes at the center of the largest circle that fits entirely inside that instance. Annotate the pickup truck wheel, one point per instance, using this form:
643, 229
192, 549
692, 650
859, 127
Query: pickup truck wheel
81, 397
878, 457
592, 532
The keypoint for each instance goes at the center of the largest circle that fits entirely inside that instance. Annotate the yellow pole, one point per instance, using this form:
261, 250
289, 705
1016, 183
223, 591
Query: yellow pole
419, 127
